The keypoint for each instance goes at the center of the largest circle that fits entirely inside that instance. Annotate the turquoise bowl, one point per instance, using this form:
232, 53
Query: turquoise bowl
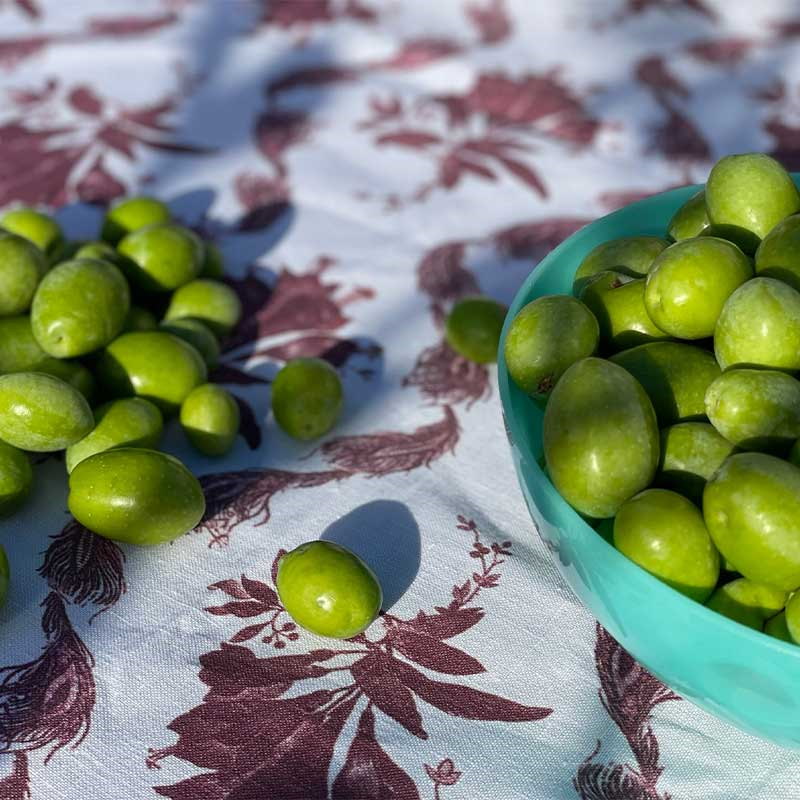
735, 673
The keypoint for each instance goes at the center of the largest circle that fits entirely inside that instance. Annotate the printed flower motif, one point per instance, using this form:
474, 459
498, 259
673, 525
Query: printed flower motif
629, 694
56, 146
253, 738
16, 785
27, 7
289, 13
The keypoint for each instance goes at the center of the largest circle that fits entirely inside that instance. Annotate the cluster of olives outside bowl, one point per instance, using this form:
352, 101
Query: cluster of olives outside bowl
647, 374
100, 343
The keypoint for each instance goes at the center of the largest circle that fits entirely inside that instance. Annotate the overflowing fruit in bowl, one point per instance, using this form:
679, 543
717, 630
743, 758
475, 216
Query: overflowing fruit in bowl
671, 401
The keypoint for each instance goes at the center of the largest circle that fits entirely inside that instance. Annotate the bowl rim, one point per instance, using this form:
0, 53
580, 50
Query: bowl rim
656, 591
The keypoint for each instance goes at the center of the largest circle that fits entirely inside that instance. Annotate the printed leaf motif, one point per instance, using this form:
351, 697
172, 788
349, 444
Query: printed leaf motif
84, 567
443, 376
129, 25
435, 654
374, 674
448, 622
534, 240
48, 702
384, 453
445, 773
490, 20
368, 772
442, 276
414, 139
654, 74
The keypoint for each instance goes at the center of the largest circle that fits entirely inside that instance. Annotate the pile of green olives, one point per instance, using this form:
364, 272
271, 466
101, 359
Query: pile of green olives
101, 343
671, 399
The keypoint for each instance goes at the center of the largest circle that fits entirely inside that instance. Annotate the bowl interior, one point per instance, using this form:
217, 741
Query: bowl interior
736, 673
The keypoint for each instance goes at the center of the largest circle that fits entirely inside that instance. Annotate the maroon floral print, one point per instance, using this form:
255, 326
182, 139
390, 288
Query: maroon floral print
727, 51
444, 774
48, 702
84, 568
16, 785
490, 18
37, 170
534, 240
253, 740
265, 200
443, 376
629, 694
244, 496
27, 7
251, 599
290, 13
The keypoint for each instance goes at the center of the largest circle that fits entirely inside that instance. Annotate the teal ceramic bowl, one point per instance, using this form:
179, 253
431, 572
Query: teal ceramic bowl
737, 674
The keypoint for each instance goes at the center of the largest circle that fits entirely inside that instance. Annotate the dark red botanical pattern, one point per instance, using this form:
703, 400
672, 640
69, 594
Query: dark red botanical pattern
84, 568
16, 785
780, 123
490, 18
265, 727
244, 496
14, 50
263, 199
250, 599
48, 702
629, 695
443, 774
290, 13
37, 167
632, 8
726, 51
511, 113
443, 376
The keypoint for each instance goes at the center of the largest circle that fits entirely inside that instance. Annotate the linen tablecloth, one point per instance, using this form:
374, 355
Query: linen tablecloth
361, 164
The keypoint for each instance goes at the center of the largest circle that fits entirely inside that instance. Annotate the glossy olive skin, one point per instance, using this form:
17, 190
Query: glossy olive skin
328, 590
213, 262
548, 335
134, 495
617, 301
129, 422
41, 413
675, 376
752, 191
210, 419
689, 282
97, 250
197, 334
747, 602
36, 227
307, 398
5, 576
473, 328
130, 215
162, 257
213, 303
154, 365
79, 307
71, 372
778, 255
16, 479
630, 255
140, 319
664, 533
19, 350
752, 510
792, 618
22, 266
691, 452
745, 240
690, 220
756, 409
777, 628
760, 326
600, 437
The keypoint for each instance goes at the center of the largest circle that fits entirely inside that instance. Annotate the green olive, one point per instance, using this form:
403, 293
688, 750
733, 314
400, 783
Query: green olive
664, 533
22, 266
137, 496
213, 262
210, 419
328, 590
19, 350
36, 227
162, 257
212, 302
130, 215
778, 256
140, 319
154, 365
548, 335
16, 480
129, 422
307, 398
690, 219
79, 306
197, 334
41, 413
747, 602
631, 255
778, 629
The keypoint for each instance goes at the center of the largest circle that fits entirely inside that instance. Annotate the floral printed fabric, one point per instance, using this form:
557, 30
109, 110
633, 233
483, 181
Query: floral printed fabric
362, 164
